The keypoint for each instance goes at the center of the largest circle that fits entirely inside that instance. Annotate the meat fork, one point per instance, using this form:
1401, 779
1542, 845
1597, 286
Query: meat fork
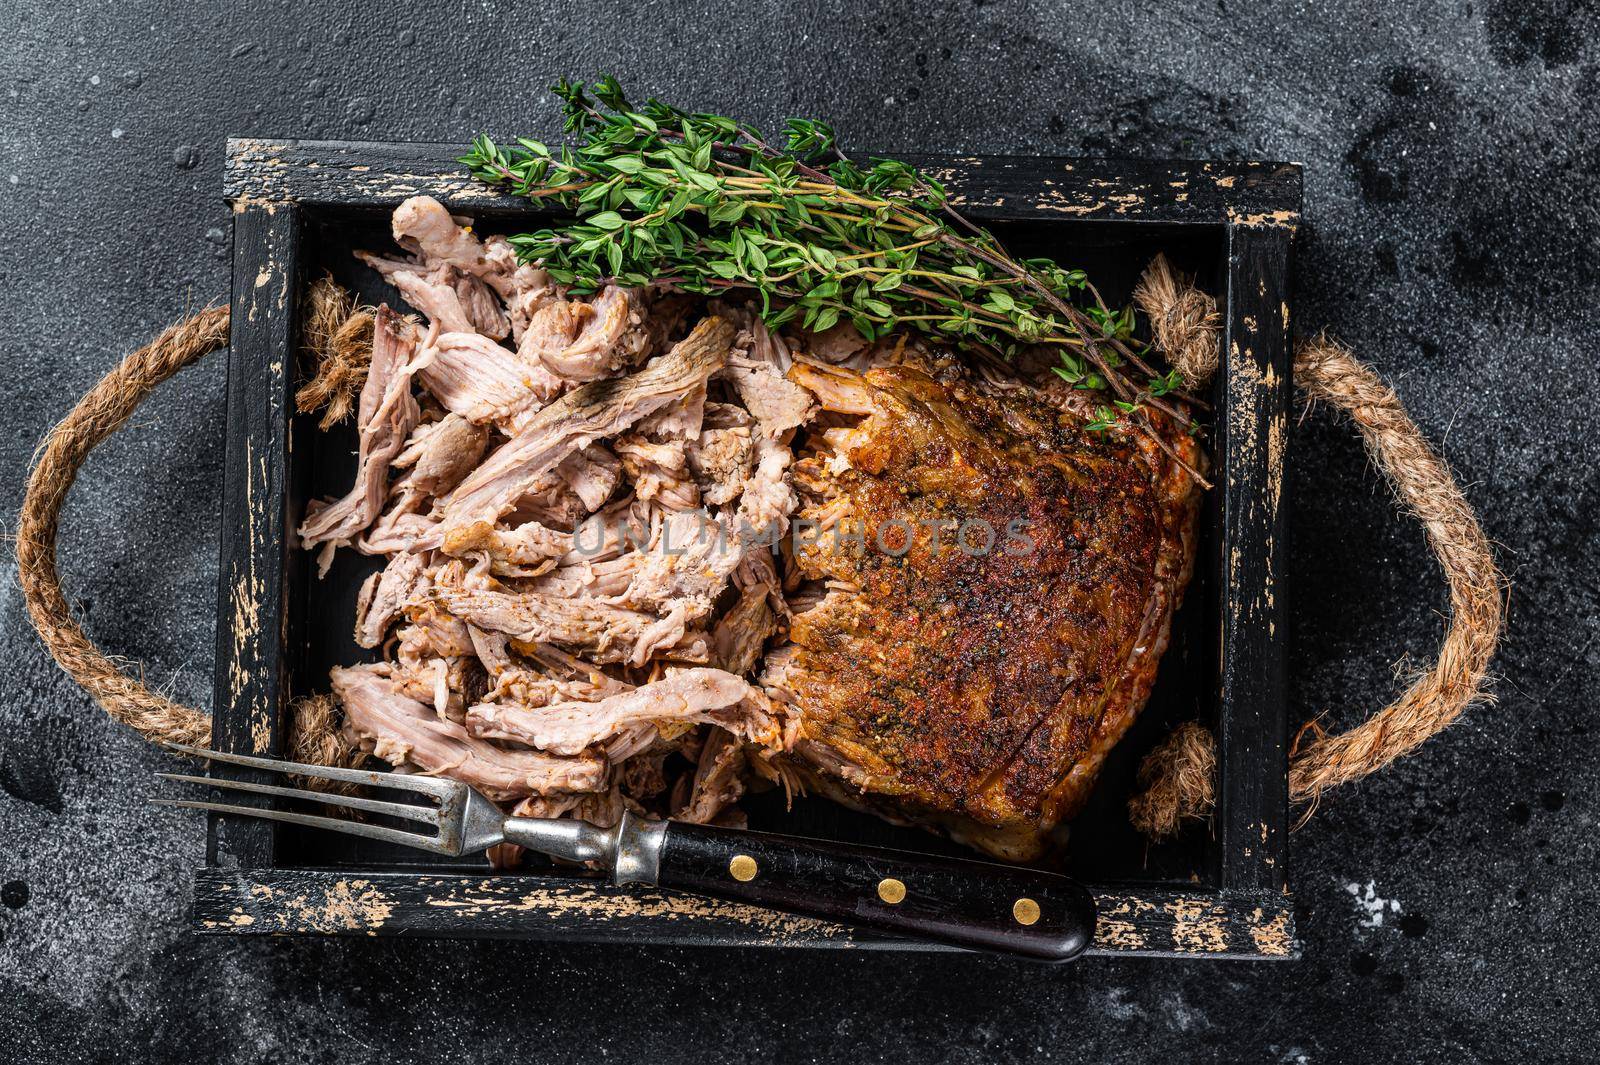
978, 905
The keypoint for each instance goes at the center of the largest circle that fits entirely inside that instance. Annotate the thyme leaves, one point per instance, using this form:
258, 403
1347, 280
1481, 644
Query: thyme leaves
703, 203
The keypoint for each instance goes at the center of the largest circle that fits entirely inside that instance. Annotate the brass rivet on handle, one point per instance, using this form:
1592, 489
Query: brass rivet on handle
742, 867
1025, 910
891, 890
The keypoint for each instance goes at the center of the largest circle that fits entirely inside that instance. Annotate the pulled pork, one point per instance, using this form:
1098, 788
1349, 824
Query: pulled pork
570, 494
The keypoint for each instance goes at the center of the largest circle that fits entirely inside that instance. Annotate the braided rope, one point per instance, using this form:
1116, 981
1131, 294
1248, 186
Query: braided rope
1422, 482
99, 414
1188, 328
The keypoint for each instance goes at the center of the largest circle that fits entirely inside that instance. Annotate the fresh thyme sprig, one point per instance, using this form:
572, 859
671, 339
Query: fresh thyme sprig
702, 203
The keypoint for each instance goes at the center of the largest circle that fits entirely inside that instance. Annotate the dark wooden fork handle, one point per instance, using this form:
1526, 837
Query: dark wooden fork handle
979, 905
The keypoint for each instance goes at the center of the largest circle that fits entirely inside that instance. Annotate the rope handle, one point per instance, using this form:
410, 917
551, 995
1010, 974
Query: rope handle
1178, 774
99, 414
1423, 484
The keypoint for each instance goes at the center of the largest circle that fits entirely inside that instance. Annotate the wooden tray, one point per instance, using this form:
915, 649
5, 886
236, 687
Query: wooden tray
1218, 891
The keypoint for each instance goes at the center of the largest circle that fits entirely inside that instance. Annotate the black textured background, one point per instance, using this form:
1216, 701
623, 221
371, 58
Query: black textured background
1453, 238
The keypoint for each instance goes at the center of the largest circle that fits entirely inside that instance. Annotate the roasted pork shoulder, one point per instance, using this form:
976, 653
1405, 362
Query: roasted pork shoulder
997, 587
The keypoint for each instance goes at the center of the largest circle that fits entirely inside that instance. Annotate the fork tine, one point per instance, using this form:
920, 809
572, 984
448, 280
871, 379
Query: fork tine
435, 786
332, 824
426, 814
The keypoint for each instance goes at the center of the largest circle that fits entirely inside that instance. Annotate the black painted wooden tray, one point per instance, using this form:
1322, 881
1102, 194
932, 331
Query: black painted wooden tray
1219, 890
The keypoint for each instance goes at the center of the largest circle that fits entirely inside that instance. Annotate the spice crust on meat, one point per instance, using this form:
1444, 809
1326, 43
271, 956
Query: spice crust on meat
971, 667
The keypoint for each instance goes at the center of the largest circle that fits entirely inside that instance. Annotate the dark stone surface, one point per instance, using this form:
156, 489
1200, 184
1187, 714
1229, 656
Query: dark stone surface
1454, 239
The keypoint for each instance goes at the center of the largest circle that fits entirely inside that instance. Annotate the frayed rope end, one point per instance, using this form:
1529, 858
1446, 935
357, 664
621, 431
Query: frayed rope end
1178, 782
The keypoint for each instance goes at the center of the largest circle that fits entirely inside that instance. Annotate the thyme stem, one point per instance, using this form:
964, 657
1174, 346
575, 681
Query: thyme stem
709, 203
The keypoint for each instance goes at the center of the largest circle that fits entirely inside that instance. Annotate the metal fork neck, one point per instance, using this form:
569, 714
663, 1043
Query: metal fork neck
630, 851
575, 841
